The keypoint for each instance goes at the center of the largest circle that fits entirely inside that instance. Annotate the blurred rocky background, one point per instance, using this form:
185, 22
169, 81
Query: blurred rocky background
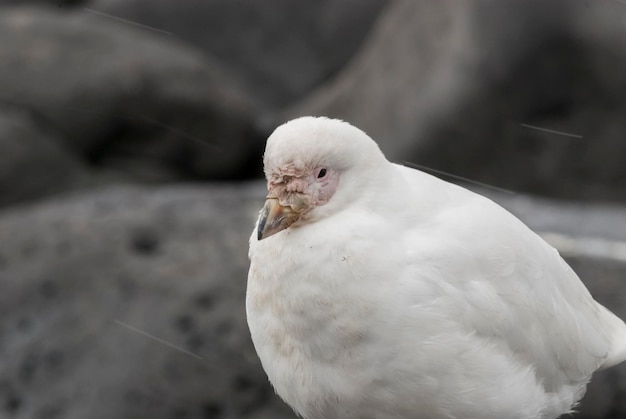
131, 135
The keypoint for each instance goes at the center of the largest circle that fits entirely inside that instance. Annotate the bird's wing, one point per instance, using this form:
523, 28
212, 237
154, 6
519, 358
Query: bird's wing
516, 289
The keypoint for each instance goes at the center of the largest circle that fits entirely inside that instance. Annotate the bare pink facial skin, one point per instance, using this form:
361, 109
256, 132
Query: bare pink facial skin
304, 188
292, 193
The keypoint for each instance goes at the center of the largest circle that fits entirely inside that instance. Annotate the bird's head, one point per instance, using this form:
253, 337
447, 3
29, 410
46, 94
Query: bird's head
315, 167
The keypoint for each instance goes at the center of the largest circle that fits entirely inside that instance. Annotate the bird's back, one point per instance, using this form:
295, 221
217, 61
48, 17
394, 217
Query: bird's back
546, 301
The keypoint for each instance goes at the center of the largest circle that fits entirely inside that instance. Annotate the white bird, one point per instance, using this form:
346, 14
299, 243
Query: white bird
377, 291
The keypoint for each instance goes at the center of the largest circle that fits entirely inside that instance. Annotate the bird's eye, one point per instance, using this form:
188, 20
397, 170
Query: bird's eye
321, 172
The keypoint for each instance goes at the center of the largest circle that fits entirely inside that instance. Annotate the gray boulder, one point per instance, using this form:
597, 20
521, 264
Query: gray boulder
471, 88
45, 3
34, 161
128, 303
125, 98
277, 49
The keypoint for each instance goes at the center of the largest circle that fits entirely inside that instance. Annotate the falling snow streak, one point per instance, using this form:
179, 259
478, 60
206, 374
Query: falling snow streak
141, 332
551, 131
130, 22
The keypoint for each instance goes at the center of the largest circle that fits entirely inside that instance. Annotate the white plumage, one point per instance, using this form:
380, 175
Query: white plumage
378, 291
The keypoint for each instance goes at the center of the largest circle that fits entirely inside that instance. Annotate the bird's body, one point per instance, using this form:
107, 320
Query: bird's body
403, 296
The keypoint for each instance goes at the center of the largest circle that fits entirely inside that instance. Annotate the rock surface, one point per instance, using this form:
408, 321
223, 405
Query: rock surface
34, 161
45, 3
471, 87
124, 98
278, 49
110, 299
128, 301
86, 279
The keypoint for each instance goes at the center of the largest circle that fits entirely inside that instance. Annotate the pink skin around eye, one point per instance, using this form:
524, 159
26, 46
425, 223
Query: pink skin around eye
327, 181
321, 173
315, 187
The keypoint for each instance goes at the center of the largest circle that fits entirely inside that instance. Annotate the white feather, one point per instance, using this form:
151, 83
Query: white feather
409, 297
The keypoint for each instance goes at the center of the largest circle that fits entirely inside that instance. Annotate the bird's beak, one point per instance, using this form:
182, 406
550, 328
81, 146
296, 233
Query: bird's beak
274, 218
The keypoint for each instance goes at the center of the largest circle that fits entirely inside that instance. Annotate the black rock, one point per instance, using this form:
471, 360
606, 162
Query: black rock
90, 327
126, 99
277, 49
526, 95
34, 160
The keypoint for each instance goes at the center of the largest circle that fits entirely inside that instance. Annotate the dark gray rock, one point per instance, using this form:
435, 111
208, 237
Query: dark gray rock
45, 3
461, 87
34, 161
125, 97
99, 291
278, 49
